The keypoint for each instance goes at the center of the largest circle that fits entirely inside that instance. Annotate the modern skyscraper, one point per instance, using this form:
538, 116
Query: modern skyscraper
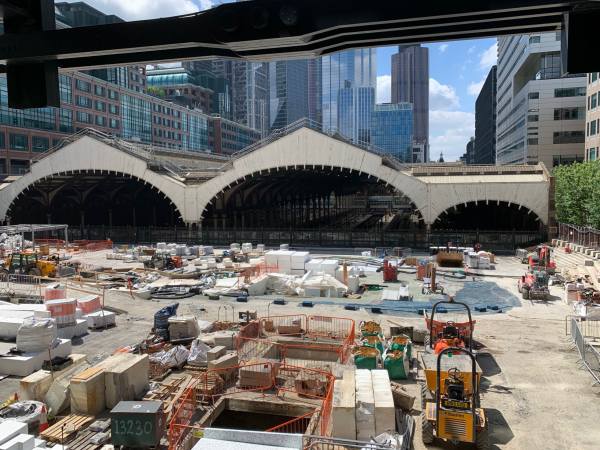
592, 118
354, 68
315, 111
392, 128
80, 14
354, 107
249, 83
289, 92
485, 122
469, 156
540, 113
410, 83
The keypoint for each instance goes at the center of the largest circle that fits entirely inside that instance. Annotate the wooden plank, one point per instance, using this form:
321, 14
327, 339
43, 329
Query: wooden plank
65, 429
82, 441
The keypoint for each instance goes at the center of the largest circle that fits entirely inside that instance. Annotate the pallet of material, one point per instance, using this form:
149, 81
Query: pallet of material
65, 429
83, 441
209, 384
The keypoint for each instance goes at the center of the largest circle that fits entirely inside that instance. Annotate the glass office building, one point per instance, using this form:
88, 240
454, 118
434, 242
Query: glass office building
352, 68
355, 106
288, 86
392, 129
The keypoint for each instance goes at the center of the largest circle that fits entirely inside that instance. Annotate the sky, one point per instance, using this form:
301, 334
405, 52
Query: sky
457, 70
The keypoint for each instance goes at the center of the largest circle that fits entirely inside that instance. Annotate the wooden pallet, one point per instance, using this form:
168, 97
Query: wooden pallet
82, 441
65, 429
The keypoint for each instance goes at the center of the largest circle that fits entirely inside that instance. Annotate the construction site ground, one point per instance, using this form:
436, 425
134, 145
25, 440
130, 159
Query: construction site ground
535, 394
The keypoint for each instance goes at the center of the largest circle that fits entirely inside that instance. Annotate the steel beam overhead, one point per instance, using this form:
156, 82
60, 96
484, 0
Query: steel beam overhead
276, 29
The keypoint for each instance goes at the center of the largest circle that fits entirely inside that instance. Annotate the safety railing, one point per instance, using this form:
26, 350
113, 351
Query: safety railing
295, 426
180, 424
589, 356
586, 236
20, 284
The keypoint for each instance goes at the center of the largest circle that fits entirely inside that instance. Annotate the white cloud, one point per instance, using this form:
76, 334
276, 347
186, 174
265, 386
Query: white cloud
148, 9
449, 133
489, 57
442, 96
443, 47
475, 88
384, 89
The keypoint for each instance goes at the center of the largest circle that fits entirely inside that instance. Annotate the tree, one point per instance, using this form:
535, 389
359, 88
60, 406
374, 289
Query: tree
577, 187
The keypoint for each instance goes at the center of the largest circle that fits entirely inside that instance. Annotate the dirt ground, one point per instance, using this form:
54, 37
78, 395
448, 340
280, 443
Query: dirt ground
535, 395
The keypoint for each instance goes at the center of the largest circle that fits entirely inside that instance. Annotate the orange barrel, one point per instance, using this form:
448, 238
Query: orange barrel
54, 293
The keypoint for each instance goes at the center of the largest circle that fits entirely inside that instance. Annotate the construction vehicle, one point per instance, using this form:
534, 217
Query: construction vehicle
450, 400
448, 333
29, 264
534, 285
542, 260
162, 261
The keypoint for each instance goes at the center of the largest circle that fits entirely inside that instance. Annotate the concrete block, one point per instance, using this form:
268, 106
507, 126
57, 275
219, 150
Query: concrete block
216, 353
100, 319
228, 360
19, 442
343, 416
365, 405
183, 327
39, 443
36, 385
27, 363
256, 376
126, 377
385, 414
9, 429
226, 339
87, 392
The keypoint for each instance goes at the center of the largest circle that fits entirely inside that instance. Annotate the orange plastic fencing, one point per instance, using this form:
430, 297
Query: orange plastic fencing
92, 246
251, 273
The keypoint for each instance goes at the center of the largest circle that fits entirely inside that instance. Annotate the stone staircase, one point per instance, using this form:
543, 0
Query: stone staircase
582, 261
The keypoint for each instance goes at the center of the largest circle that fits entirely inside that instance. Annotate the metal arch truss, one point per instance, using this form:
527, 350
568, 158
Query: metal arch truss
33, 51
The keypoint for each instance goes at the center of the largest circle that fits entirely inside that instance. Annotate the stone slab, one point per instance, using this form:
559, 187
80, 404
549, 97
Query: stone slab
343, 415
27, 363
36, 385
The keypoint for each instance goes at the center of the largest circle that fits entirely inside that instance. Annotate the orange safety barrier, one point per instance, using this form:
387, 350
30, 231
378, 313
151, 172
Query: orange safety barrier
290, 325
295, 426
179, 426
254, 272
92, 246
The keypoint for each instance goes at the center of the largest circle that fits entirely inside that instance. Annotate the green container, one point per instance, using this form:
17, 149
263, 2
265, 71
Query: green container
137, 424
396, 367
365, 362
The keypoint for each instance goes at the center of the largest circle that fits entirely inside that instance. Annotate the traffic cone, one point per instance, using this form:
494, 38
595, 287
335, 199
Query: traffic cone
43, 419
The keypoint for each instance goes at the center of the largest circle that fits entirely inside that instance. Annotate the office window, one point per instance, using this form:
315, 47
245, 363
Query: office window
532, 141
39, 143
568, 137
2, 140
594, 101
19, 142
533, 118
594, 76
85, 102
114, 123
593, 153
534, 39
66, 91
593, 128
100, 106
113, 95
100, 90
65, 120
533, 95
101, 121
569, 113
83, 85
84, 117
114, 109
569, 92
